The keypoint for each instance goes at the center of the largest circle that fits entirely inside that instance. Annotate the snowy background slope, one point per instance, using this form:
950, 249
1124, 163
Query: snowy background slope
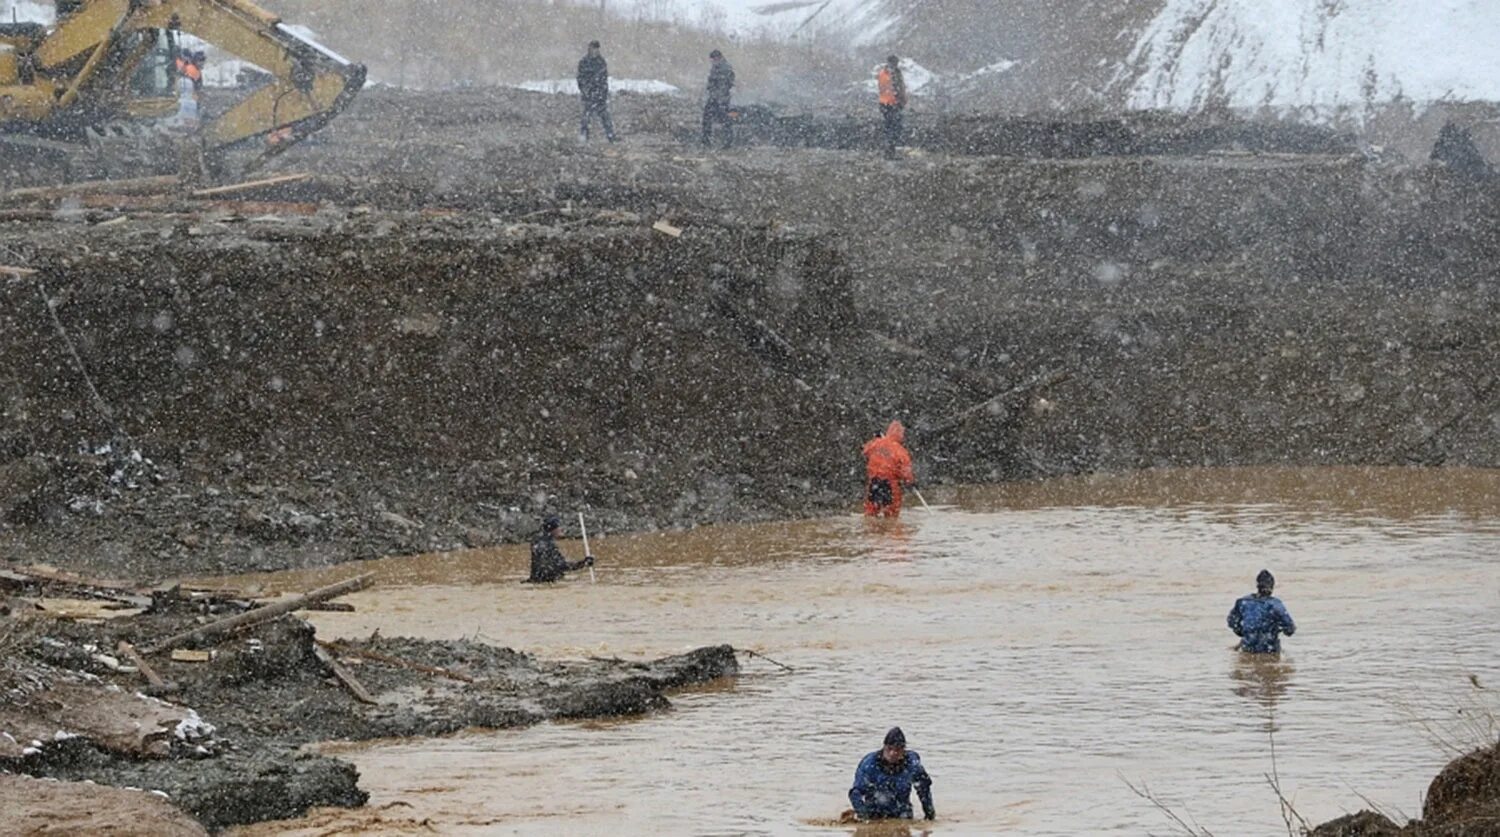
856, 22
1327, 55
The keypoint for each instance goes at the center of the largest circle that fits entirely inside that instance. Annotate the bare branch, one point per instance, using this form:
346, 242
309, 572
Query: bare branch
1145, 793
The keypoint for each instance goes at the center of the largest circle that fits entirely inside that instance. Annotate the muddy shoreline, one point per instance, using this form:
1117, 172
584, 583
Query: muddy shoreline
255, 699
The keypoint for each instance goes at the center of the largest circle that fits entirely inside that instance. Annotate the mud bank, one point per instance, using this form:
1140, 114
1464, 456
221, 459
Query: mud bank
1462, 801
223, 742
467, 320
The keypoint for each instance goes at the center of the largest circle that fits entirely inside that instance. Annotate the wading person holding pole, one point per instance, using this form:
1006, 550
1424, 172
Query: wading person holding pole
547, 561
887, 469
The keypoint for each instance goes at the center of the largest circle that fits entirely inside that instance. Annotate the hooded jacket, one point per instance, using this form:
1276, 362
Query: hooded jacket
881, 792
886, 457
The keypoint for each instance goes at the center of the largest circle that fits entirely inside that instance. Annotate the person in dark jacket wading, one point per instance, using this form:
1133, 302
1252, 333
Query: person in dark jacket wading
1259, 620
716, 100
884, 780
547, 561
593, 91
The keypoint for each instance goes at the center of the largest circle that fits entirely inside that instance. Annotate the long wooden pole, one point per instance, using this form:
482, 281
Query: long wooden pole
262, 614
923, 499
585, 530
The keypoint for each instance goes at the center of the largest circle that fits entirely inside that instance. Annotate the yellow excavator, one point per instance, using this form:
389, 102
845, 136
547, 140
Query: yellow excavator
108, 65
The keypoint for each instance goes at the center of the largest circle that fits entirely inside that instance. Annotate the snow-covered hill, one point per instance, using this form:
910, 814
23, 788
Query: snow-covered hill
1323, 56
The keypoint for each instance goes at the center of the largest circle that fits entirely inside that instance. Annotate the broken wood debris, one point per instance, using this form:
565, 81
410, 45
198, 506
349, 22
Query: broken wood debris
188, 655
395, 661
158, 685
667, 229
261, 614
344, 676
54, 580
1037, 384
235, 188
134, 185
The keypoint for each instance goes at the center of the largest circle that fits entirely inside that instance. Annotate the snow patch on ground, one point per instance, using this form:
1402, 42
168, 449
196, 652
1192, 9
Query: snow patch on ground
1330, 56
569, 87
27, 11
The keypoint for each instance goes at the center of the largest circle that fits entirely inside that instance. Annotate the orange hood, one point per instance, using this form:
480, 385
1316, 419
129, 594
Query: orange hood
896, 432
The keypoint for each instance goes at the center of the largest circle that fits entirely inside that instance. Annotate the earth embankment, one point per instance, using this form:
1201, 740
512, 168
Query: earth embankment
464, 321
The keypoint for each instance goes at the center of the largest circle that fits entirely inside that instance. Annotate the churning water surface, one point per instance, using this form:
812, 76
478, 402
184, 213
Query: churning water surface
1041, 644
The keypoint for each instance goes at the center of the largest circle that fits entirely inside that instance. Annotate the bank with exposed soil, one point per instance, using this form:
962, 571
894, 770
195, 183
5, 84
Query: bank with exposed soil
478, 324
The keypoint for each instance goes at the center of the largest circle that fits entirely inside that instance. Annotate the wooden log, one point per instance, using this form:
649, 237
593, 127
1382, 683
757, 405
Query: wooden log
17, 271
343, 675
86, 187
109, 590
995, 401
395, 661
262, 614
158, 685
235, 188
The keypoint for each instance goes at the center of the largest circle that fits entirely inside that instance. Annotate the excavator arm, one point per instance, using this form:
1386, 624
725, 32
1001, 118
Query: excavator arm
82, 65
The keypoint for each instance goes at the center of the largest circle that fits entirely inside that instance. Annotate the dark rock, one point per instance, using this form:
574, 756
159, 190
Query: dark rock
1362, 824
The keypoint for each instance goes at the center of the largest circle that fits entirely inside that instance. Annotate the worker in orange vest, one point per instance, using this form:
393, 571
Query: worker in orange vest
887, 469
190, 67
892, 87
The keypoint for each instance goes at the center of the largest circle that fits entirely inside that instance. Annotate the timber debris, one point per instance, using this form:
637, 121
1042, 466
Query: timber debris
206, 693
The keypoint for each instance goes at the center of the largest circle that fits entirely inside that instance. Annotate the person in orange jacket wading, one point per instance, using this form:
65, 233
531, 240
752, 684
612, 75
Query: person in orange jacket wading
887, 469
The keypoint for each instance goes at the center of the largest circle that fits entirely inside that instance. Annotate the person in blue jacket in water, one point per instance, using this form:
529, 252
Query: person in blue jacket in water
884, 780
1259, 620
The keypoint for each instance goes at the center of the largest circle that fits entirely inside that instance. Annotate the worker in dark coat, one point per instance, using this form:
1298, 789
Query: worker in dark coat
885, 779
547, 561
716, 99
593, 91
1260, 619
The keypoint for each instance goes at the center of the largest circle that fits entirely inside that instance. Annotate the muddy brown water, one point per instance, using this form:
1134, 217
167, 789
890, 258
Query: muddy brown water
1040, 644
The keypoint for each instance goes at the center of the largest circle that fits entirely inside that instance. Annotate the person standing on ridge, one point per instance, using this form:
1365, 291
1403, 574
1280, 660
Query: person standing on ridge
1260, 619
716, 100
547, 561
887, 469
892, 89
593, 92
884, 780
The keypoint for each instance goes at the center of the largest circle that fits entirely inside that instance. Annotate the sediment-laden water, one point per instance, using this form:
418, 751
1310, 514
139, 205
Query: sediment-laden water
1040, 644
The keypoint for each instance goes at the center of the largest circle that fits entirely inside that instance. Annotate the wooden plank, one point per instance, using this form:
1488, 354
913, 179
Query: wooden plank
262, 614
109, 589
343, 675
17, 271
187, 655
86, 187
158, 685
235, 188
395, 661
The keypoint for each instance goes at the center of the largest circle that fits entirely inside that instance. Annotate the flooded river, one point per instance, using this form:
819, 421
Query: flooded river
1040, 644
